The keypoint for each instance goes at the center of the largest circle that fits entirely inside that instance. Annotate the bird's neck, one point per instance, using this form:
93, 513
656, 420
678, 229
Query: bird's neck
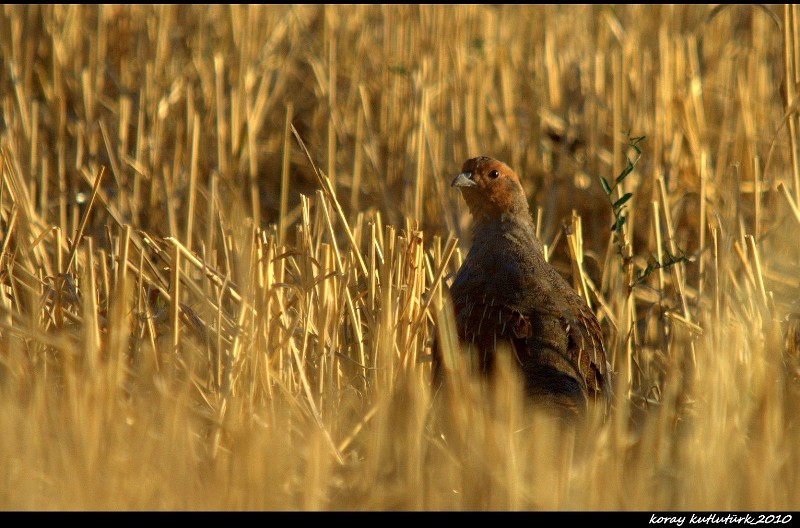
514, 231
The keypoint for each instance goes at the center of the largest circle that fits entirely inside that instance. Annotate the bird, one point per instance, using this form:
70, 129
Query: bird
506, 293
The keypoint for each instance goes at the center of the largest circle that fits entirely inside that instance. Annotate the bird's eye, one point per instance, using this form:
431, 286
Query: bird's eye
494, 174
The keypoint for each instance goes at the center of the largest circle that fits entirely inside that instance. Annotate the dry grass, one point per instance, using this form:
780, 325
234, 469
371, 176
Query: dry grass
197, 313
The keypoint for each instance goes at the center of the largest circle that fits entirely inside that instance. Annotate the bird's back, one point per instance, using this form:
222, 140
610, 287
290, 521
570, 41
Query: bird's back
505, 292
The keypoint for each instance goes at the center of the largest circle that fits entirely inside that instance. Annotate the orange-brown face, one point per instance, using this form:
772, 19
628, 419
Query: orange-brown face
490, 187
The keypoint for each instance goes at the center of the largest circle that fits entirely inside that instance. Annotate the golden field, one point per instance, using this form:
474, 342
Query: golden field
226, 234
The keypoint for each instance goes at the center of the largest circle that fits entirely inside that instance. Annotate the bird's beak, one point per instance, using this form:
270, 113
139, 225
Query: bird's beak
464, 180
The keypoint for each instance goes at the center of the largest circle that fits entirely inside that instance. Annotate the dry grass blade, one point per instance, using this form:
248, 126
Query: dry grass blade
79, 234
325, 183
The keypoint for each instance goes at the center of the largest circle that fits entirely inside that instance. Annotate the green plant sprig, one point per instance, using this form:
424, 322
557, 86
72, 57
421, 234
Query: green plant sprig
618, 207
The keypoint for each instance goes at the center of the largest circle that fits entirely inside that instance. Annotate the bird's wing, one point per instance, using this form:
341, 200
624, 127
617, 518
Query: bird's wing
566, 334
586, 347
555, 336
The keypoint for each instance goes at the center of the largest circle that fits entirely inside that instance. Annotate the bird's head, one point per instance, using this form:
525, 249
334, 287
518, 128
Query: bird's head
490, 188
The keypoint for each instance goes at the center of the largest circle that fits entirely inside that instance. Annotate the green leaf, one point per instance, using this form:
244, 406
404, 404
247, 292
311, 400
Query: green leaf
399, 69
606, 187
619, 203
624, 174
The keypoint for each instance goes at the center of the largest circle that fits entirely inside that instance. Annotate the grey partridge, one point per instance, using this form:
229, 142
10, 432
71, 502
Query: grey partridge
505, 291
